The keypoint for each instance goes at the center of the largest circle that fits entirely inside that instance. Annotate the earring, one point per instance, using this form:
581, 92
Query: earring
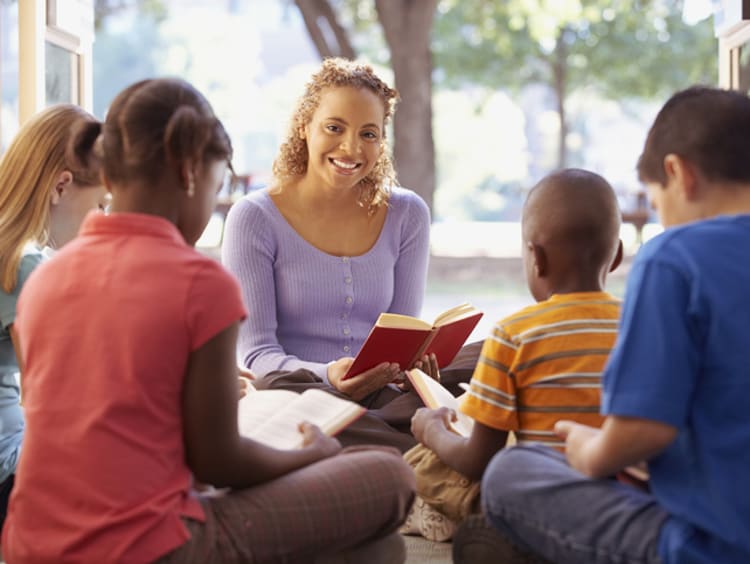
191, 186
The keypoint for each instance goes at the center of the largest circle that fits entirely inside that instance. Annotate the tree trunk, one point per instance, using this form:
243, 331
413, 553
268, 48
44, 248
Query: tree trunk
560, 78
407, 25
326, 33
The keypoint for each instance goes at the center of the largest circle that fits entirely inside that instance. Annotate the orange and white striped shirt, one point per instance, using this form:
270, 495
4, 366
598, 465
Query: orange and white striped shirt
544, 363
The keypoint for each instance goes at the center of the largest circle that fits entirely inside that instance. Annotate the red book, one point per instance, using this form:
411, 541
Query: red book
404, 339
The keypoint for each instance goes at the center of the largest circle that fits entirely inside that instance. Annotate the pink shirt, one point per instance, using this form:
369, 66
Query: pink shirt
106, 329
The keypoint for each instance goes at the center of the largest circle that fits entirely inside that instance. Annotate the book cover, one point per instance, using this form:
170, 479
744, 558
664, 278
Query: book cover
273, 417
434, 395
404, 340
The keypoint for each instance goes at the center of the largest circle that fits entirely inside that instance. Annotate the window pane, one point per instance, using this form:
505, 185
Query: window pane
743, 84
8, 72
60, 75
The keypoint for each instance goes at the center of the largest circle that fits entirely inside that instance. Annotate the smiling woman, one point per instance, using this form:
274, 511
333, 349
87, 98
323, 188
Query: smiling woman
329, 246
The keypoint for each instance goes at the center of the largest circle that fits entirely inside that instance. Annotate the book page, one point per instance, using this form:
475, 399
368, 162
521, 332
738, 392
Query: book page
401, 321
280, 429
454, 314
434, 395
258, 406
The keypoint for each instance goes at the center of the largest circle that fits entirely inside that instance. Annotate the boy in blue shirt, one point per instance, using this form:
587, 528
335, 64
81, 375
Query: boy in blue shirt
676, 388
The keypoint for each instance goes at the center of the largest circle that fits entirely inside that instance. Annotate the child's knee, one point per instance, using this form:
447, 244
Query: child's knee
505, 470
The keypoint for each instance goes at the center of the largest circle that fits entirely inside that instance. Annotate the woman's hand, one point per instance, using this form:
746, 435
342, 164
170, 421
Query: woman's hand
427, 364
427, 421
313, 439
360, 385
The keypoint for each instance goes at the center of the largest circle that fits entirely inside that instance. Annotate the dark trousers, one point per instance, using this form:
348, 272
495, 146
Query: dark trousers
389, 412
5, 487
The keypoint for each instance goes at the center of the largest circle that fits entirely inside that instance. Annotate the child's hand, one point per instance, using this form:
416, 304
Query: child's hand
578, 440
245, 373
426, 419
244, 379
314, 439
244, 384
360, 385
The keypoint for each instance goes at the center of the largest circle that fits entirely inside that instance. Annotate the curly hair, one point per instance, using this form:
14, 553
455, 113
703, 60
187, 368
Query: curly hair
291, 162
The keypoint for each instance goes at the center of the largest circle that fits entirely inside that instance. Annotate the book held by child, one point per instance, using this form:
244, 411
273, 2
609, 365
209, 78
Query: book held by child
435, 395
273, 417
404, 339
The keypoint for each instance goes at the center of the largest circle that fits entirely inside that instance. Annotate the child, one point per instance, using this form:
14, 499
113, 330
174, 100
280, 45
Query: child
43, 200
676, 387
128, 338
538, 365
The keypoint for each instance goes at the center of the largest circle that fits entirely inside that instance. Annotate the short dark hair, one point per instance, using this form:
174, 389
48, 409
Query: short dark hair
708, 127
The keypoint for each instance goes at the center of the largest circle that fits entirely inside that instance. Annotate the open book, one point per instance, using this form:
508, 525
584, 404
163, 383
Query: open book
404, 339
434, 395
273, 416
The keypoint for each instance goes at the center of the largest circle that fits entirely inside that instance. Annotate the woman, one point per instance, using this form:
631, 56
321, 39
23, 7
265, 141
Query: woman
331, 245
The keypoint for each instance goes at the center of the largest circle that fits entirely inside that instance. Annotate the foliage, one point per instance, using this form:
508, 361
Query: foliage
152, 9
624, 48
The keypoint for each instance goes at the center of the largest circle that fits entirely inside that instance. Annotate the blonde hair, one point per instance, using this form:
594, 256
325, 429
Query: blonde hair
291, 162
28, 170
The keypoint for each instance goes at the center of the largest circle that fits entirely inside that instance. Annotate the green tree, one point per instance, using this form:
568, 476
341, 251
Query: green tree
405, 27
622, 48
153, 9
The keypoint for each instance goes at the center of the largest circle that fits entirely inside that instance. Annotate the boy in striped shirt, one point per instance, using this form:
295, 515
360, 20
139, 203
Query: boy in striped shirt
539, 365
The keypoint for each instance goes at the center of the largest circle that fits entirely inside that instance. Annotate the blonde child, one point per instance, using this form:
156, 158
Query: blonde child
44, 197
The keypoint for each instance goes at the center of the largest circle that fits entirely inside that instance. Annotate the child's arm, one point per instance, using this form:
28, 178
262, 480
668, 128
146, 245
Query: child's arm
467, 455
215, 451
15, 340
622, 441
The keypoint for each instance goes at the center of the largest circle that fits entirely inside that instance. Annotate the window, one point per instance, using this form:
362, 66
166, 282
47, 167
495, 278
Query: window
45, 58
733, 28
8, 71
68, 39
61, 75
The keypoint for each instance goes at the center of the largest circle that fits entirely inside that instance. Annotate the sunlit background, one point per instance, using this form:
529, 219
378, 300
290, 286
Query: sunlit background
518, 89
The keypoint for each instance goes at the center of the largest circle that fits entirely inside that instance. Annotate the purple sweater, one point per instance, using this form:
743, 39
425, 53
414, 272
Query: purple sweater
307, 308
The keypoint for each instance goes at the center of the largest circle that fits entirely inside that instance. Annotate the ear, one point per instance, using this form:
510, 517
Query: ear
187, 178
63, 182
106, 182
618, 257
303, 132
539, 257
682, 175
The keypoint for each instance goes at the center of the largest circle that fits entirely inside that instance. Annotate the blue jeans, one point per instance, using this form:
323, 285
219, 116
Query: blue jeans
535, 498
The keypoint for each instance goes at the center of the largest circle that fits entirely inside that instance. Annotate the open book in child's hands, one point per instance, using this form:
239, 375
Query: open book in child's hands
434, 395
273, 417
404, 339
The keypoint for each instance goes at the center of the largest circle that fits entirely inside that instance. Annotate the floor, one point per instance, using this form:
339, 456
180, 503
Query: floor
421, 551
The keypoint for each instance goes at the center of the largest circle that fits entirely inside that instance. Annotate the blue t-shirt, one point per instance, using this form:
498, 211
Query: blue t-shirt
11, 413
683, 358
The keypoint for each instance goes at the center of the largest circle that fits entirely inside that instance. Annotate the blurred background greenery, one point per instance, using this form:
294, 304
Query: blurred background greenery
495, 94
